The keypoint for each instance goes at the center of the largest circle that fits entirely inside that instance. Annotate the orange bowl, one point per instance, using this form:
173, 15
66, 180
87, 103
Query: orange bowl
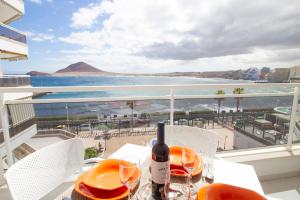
175, 161
105, 176
219, 191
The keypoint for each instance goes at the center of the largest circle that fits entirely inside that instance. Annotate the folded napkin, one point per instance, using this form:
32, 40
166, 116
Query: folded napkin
141, 152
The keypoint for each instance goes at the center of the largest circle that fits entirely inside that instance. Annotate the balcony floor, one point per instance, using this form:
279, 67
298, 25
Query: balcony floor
284, 189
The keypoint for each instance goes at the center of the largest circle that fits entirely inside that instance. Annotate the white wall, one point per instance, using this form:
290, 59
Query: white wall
13, 96
270, 162
13, 46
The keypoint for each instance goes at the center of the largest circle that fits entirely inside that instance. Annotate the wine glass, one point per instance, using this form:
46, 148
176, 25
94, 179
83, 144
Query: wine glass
129, 172
188, 159
204, 164
177, 187
207, 164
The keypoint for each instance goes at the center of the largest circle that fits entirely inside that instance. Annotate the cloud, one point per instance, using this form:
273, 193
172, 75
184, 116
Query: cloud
40, 1
84, 38
191, 34
86, 17
40, 37
36, 1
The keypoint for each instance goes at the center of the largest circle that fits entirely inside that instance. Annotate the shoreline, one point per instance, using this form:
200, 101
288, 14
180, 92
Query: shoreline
83, 74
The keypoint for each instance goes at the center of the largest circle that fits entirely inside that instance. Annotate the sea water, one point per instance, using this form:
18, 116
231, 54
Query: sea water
108, 108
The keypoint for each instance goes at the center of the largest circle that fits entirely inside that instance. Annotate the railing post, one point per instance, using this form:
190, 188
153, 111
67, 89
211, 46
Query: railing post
293, 118
5, 128
171, 107
2, 181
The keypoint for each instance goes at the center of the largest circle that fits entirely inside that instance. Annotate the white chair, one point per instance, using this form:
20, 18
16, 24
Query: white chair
196, 138
42, 171
141, 152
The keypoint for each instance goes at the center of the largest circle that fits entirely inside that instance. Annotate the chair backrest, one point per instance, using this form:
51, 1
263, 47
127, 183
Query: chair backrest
42, 171
201, 140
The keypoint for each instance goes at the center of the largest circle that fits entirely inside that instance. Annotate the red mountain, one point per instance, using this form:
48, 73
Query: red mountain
37, 73
79, 67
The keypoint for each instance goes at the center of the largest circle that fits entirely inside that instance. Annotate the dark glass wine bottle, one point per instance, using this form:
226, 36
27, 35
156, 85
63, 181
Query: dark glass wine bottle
160, 165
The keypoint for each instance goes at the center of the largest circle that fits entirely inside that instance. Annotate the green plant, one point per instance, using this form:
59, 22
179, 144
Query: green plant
90, 152
219, 100
102, 127
131, 105
238, 99
145, 115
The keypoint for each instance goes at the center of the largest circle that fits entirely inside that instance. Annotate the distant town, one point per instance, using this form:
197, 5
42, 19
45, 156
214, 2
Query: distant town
260, 74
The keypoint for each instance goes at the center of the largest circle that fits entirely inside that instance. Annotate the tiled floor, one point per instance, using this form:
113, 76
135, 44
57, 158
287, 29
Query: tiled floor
284, 189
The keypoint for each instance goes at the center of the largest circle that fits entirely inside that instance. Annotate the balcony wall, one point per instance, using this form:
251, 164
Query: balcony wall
14, 81
237, 129
12, 43
15, 130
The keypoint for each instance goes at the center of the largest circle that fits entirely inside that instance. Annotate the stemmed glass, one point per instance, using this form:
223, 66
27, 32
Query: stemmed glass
207, 165
188, 159
177, 187
129, 172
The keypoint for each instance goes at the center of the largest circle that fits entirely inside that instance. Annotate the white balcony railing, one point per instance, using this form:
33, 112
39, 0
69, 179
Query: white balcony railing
291, 90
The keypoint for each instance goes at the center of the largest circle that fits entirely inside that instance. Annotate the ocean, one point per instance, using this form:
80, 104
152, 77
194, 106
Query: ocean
42, 81
120, 108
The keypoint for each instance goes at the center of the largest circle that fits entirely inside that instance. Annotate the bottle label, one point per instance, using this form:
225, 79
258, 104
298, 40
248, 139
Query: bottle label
160, 171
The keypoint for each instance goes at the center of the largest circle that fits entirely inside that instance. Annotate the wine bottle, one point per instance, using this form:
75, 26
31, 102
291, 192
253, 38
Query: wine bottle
160, 165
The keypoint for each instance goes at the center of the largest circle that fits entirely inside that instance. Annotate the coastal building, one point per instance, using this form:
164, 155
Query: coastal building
280, 75
252, 74
13, 47
294, 75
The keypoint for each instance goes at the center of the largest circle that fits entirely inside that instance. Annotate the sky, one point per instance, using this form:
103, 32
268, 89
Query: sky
142, 36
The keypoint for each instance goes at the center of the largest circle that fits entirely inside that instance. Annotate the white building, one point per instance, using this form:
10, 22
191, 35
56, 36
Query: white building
295, 74
13, 47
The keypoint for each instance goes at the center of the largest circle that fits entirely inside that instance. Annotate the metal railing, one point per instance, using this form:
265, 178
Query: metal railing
171, 97
11, 33
14, 80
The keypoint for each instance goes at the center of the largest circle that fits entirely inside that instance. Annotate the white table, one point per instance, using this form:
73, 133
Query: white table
236, 174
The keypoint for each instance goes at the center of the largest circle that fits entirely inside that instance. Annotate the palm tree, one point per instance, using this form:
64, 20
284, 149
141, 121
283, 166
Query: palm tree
131, 105
238, 99
219, 92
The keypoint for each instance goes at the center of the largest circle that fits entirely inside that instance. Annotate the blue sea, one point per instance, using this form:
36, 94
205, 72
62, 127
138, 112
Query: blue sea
150, 106
41, 81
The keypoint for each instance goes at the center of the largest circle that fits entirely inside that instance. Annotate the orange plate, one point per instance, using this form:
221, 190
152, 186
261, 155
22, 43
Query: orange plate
175, 161
219, 191
96, 194
105, 176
